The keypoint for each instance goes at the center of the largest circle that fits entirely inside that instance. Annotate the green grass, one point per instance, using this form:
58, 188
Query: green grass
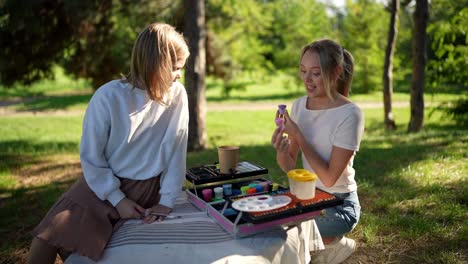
64, 93
62, 83
413, 187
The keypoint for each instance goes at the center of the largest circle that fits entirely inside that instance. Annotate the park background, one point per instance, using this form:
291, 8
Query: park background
412, 182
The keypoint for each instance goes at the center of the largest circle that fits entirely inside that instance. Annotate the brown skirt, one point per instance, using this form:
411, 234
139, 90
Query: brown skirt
81, 222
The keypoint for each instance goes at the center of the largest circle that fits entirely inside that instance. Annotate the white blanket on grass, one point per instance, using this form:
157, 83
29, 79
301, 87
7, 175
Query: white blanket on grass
196, 238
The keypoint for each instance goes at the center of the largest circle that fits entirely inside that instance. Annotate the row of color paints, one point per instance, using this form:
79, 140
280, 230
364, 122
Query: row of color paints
227, 190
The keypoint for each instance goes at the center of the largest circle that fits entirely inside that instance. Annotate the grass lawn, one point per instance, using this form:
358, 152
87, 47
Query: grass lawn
51, 96
413, 187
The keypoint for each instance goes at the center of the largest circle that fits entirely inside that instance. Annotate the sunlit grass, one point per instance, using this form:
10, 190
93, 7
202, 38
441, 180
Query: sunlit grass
62, 83
413, 187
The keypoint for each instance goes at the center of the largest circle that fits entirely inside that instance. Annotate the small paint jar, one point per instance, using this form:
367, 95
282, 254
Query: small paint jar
274, 187
302, 183
251, 190
207, 194
244, 189
236, 192
227, 189
265, 186
218, 192
259, 188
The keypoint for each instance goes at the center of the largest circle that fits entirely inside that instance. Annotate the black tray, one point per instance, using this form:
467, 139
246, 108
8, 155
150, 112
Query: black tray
209, 173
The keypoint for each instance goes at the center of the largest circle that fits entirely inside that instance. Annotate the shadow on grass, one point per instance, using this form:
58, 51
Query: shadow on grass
290, 96
413, 207
49, 103
379, 163
10, 149
39, 183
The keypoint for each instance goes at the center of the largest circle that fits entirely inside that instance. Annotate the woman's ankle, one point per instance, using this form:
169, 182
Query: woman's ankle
328, 240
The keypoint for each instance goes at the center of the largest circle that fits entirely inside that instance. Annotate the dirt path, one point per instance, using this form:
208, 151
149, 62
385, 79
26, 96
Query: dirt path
7, 108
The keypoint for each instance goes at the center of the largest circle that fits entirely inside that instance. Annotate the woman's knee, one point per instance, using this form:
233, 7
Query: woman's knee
41, 252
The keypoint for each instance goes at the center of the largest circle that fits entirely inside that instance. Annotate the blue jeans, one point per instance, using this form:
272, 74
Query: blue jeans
340, 219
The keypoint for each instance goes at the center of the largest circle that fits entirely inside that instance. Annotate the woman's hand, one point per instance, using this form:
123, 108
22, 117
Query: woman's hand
129, 209
156, 213
289, 126
279, 141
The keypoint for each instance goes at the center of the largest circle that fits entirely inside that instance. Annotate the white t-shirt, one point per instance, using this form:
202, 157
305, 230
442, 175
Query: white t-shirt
341, 126
126, 134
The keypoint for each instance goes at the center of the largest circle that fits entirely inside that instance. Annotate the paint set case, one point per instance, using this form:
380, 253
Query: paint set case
250, 185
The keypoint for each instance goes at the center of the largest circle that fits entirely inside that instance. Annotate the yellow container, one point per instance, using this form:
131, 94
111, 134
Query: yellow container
302, 183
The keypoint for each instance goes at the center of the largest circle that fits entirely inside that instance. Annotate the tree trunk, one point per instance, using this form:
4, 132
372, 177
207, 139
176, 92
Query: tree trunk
388, 66
420, 18
195, 32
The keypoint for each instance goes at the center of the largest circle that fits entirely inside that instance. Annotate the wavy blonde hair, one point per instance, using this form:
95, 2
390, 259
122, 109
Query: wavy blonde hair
155, 54
332, 57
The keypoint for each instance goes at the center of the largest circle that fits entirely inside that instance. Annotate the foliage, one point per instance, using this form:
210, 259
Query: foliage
363, 36
104, 47
449, 51
234, 46
402, 63
251, 39
296, 24
33, 35
260, 36
91, 39
457, 110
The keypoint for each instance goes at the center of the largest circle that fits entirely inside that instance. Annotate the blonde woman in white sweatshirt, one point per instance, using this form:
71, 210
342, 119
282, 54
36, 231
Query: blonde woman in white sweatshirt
132, 151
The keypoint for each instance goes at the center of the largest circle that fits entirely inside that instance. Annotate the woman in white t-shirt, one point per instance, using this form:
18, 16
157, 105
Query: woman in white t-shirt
326, 127
133, 152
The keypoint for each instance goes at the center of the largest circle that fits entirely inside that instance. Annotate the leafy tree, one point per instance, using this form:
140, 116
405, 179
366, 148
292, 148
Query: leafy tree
34, 34
90, 38
233, 44
448, 49
403, 55
296, 24
364, 37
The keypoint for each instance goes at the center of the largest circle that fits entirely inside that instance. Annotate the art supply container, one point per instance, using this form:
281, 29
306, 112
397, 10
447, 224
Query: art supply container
274, 187
218, 192
251, 190
207, 194
302, 183
236, 192
228, 158
265, 186
244, 189
227, 189
259, 188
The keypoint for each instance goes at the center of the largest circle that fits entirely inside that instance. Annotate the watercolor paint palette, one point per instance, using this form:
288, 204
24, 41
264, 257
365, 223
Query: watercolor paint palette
261, 203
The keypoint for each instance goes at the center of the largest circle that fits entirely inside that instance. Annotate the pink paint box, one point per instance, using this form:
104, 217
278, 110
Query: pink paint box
242, 223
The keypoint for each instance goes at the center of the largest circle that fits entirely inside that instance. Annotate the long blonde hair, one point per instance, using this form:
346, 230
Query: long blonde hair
332, 56
155, 54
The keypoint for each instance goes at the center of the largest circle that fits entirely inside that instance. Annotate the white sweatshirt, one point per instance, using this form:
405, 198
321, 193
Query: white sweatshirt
126, 134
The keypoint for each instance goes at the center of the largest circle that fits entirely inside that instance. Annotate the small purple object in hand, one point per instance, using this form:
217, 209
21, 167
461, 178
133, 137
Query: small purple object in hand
280, 119
281, 109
